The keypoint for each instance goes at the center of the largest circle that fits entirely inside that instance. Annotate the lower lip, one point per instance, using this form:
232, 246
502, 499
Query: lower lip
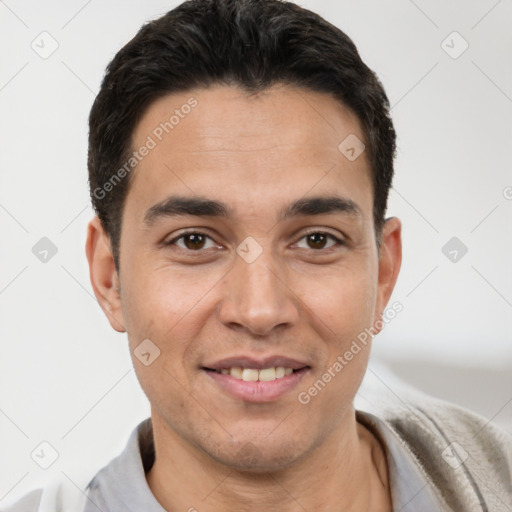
259, 391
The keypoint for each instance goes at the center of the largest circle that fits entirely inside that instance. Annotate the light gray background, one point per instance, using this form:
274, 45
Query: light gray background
66, 376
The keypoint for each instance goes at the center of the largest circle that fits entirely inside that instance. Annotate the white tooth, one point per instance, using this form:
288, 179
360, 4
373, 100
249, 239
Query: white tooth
225, 371
250, 375
267, 374
288, 371
236, 372
280, 372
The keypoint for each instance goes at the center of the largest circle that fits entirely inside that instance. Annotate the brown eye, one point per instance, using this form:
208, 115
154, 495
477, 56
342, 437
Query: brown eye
320, 240
192, 241
317, 240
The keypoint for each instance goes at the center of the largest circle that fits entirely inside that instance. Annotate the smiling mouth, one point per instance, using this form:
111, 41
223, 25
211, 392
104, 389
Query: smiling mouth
257, 375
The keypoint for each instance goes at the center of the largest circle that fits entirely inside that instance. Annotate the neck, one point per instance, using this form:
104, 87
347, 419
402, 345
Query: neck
348, 472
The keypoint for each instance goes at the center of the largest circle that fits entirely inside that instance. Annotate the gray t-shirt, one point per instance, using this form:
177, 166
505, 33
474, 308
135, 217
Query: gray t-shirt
121, 485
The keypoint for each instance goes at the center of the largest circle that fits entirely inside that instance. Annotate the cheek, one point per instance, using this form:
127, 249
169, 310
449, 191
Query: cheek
170, 309
161, 309
154, 303
343, 301
341, 312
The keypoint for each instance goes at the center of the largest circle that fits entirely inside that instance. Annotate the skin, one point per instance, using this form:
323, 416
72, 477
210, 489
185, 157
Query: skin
301, 299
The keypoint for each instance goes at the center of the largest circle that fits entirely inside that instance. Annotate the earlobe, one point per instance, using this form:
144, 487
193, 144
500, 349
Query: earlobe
103, 274
390, 260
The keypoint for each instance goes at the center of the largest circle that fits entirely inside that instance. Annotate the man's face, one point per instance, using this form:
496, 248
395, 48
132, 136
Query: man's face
295, 294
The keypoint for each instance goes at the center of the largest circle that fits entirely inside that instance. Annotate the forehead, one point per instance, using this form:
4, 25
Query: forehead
294, 115
222, 142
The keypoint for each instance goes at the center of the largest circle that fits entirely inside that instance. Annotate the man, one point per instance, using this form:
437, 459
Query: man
240, 158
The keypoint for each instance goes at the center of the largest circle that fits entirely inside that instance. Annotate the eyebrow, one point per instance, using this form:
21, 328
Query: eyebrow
180, 205
204, 207
320, 206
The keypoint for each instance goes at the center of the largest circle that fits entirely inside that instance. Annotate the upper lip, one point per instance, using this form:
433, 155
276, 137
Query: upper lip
257, 363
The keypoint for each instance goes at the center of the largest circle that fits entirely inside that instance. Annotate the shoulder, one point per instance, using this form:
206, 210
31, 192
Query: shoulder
418, 417
61, 493
466, 456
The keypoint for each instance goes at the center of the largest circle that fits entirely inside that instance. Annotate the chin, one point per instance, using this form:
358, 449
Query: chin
260, 457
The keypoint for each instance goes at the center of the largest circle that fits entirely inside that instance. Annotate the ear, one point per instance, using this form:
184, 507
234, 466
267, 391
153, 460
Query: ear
103, 274
390, 260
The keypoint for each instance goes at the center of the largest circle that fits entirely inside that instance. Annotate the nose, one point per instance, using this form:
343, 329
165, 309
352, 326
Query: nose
257, 297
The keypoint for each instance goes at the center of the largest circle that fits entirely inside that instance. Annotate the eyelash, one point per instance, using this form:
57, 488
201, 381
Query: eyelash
338, 242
